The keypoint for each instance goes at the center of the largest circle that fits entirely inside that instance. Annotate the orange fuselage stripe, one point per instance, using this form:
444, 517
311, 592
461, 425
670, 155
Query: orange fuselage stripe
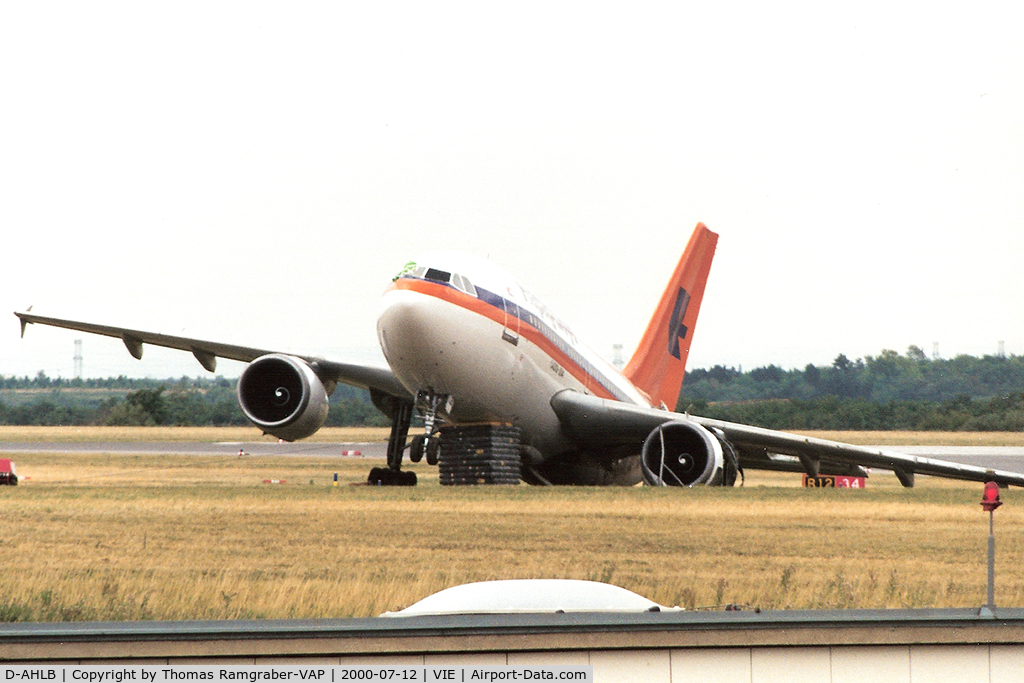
525, 329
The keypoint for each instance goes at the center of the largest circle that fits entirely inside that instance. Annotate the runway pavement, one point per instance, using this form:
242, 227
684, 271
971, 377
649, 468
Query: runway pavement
996, 457
1009, 458
199, 448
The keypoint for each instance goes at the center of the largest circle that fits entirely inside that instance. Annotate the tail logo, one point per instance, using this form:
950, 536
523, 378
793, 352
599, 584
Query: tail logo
676, 329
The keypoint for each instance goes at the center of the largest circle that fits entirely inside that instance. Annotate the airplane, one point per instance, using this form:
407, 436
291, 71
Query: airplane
507, 393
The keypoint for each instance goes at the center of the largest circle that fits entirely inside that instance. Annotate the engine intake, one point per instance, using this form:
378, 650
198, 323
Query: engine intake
283, 396
682, 454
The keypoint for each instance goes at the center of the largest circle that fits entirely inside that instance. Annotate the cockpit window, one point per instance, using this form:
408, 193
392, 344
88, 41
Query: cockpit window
457, 281
438, 275
464, 284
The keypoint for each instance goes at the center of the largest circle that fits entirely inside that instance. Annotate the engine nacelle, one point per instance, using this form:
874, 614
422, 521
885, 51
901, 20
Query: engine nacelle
682, 454
283, 396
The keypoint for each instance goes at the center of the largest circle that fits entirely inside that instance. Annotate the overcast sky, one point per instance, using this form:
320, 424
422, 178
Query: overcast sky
257, 172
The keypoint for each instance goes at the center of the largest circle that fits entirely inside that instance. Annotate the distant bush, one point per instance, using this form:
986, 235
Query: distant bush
878, 379
192, 402
885, 392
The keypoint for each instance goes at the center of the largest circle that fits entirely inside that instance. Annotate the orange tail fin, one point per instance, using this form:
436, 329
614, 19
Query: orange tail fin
658, 365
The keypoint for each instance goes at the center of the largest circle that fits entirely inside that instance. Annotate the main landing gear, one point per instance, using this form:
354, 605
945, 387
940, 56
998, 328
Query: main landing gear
425, 444
392, 475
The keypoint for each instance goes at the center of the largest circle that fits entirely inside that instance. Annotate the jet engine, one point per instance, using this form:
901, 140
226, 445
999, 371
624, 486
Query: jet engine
283, 396
682, 454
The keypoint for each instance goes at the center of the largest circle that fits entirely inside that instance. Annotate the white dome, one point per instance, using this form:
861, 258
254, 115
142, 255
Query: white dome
530, 596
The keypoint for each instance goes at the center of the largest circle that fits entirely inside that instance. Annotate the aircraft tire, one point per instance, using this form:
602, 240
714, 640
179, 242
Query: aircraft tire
483, 477
479, 462
384, 476
480, 441
476, 481
477, 456
497, 466
482, 447
481, 454
432, 451
450, 479
416, 448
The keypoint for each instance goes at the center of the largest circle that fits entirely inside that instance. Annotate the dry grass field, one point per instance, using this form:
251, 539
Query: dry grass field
98, 537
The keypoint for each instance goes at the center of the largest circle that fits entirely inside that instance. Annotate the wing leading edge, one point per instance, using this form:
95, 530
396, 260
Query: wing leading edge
597, 423
207, 352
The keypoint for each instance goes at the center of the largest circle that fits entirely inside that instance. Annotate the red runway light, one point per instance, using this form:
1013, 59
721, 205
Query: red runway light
990, 498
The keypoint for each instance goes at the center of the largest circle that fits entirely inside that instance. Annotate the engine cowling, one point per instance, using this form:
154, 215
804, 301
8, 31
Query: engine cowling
682, 454
283, 396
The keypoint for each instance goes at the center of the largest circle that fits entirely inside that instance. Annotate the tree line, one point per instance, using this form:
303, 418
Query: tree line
126, 401
888, 391
962, 414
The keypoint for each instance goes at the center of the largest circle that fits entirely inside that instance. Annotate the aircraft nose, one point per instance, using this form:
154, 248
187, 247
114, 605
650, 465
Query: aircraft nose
406, 331
398, 318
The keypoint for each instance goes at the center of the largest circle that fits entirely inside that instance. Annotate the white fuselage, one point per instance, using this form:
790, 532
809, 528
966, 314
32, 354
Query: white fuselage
461, 327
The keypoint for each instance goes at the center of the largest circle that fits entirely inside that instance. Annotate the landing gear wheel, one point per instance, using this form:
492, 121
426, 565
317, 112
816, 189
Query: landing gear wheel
432, 448
416, 448
383, 476
393, 475
376, 476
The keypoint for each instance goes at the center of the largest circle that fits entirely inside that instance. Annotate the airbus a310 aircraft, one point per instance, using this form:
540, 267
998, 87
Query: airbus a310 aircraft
507, 392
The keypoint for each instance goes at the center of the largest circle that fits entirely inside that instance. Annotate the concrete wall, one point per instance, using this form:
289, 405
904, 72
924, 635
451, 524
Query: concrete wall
795, 647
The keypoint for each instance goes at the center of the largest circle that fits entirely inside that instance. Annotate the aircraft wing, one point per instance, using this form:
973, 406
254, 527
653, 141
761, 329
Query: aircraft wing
599, 423
206, 352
